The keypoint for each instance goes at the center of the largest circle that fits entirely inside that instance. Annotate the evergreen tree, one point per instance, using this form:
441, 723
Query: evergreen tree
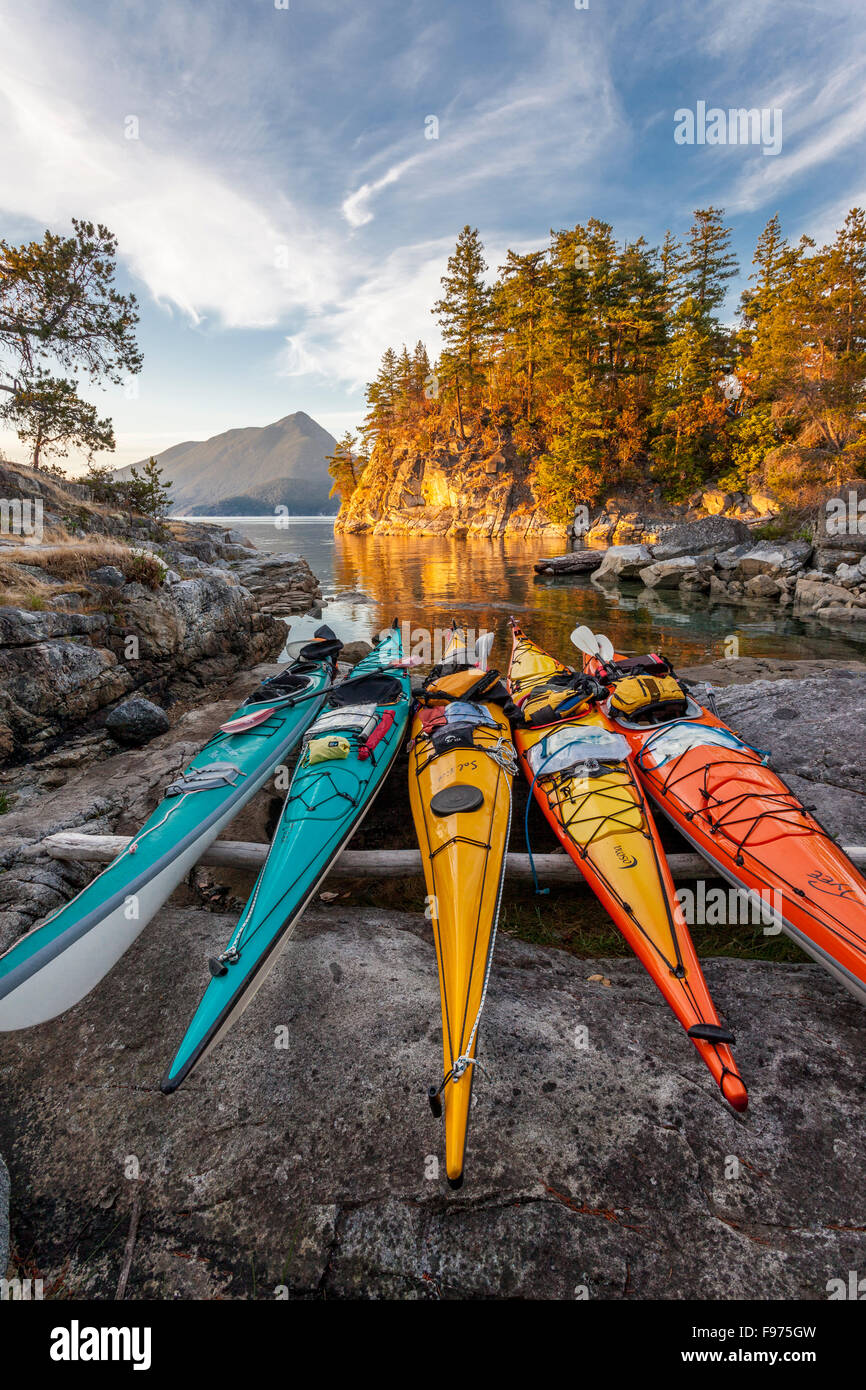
51, 418
708, 262
465, 314
521, 302
149, 493
345, 465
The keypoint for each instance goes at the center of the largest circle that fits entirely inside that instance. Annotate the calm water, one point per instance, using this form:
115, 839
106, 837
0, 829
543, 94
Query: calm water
427, 581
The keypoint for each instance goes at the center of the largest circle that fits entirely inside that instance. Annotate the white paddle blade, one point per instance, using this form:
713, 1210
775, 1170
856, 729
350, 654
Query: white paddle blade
584, 639
605, 647
482, 649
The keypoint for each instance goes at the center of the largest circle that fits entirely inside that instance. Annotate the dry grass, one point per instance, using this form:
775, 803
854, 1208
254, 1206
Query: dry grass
70, 562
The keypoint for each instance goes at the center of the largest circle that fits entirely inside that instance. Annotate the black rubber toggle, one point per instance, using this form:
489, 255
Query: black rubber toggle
711, 1032
435, 1102
460, 796
217, 968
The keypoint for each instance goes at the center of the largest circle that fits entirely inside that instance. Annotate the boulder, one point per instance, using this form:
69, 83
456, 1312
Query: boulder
728, 560
811, 594
762, 586
136, 721
849, 575
108, 576
668, 574
715, 501
775, 558
708, 533
353, 652
622, 562
765, 502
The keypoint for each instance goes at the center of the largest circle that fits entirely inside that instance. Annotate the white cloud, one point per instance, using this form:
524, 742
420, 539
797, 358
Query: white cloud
198, 241
356, 209
389, 305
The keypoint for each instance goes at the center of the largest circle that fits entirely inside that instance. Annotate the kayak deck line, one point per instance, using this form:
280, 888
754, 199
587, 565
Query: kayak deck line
76, 847
333, 786
723, 797
619, 850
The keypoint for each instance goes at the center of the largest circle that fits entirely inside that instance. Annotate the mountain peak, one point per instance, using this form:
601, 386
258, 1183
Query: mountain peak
252, 469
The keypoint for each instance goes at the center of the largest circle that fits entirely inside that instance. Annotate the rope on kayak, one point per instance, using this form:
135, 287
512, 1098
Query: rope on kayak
590, 767
787, 815
231, 954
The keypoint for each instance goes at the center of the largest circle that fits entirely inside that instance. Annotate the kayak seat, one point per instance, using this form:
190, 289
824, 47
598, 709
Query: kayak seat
371, 688
286, 683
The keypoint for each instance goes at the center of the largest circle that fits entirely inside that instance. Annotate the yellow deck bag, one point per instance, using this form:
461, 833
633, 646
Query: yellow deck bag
322, 750
637, 695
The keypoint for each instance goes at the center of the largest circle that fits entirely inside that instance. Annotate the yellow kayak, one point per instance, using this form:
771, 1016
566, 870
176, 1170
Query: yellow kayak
460, 768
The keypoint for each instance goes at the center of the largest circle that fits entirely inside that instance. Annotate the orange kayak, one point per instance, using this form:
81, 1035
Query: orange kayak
590, 795
724, 799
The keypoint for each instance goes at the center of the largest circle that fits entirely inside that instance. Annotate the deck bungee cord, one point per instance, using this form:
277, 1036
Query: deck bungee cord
597, 809
347, 752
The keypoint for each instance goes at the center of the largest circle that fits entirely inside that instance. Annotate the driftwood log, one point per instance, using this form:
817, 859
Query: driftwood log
379, 863
575, 562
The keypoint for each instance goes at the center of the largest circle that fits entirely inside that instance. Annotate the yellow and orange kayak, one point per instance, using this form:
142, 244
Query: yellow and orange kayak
582, 776
461, 764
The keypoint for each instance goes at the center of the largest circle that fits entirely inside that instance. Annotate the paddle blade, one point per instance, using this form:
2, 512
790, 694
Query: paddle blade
482, 649
248, 721
584, 639
605, 647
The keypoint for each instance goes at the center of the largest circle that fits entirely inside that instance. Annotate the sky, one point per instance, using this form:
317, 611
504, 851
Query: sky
286, 178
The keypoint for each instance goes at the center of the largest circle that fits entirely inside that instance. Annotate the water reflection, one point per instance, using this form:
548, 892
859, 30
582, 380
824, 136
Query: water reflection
428, 580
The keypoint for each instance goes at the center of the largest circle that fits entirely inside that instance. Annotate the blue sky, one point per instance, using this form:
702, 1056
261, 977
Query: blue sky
283, 217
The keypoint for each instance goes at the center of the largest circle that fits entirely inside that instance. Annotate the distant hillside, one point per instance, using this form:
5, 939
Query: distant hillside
251, 471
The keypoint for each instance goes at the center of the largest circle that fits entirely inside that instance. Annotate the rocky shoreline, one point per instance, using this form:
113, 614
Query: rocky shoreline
103, 608
720, 557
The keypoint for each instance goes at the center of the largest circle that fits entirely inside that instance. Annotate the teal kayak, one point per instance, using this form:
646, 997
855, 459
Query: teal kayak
346, 757
61, 960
